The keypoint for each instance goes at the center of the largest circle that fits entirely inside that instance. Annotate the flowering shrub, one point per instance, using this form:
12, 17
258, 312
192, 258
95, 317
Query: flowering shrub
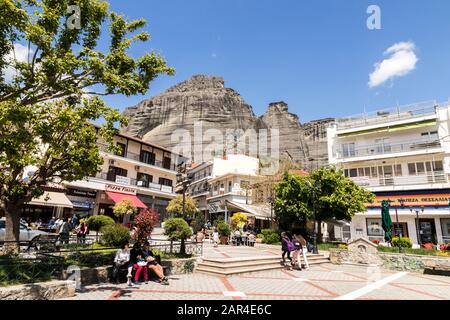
445, 247
405, 242
428, 246
145, 222
377, 242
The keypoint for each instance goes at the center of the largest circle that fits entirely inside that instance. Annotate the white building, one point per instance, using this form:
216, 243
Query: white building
222, 187
401, 155
142, 172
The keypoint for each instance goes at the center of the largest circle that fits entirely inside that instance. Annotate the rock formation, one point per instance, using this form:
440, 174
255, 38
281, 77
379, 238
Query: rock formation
177, 114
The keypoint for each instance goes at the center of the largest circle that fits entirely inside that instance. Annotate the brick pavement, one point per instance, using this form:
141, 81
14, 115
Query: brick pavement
321, 282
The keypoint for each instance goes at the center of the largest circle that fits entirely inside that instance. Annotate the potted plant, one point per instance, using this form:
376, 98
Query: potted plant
224, 232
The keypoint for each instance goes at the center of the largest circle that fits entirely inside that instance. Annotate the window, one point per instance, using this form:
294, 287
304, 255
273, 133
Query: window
115, 171
230, 186
147, 157
373, 172
445, 224
348, 149
412, 169
123, 149
383, 145
438, 166
353, 173
430, 136
420, 168
367, 172
374, 227
165, 182
398, 170
144, 179
166, 163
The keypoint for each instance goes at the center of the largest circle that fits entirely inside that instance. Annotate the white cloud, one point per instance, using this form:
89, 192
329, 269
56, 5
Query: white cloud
21, 55
401, 61
214, 55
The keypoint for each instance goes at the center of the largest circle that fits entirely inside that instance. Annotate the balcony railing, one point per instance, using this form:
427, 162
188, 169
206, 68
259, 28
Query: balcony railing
133, 182
389, 115
436, 178
137, 157
391, 148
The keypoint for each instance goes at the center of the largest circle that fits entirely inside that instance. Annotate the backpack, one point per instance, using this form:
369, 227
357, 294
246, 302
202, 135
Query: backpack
290, 245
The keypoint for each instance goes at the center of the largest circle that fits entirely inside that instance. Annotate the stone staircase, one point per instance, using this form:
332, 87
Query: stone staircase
230, 266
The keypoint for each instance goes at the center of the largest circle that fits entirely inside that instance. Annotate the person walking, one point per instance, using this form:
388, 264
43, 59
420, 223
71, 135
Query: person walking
216, 237
302, 250
82, 231
64, 231
286, 247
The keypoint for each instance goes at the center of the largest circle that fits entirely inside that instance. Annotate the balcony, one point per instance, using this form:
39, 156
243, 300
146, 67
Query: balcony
436, 178
137, 157
389, 115
391, 148
133, 182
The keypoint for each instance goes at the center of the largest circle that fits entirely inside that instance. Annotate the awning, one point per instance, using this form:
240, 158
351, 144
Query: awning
117, 197
259, 212
52, 199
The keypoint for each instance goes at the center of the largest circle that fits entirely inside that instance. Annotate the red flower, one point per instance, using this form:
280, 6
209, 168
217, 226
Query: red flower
145, 222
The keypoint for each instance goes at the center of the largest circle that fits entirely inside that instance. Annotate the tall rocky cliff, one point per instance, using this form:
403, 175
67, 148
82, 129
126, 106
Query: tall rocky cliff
205, 100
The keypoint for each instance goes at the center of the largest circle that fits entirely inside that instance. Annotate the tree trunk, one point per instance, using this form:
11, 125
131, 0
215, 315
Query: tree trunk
319, 231
183, 247
12, 228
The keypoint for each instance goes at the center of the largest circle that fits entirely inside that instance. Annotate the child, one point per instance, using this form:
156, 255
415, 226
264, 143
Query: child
216, 238
286, 247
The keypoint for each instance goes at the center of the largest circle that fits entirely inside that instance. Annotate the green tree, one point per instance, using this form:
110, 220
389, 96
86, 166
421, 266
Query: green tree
97, 222
176, 206
198, 223
336, 197
50, 95
178, 229
124, 208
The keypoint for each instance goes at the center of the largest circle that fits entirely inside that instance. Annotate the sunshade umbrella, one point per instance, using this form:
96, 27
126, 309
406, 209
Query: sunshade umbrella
386, 220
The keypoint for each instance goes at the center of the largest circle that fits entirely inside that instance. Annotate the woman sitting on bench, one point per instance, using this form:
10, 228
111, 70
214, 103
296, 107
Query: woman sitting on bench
153, 263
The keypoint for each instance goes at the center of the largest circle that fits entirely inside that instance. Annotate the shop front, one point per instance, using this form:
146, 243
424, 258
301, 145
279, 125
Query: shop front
114, 194
83, 201
422, 216
53, 203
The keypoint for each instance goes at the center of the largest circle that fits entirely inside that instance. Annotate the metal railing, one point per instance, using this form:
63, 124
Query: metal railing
137, 157
192, 247
437, 178
389, 115
391, 148
136, 183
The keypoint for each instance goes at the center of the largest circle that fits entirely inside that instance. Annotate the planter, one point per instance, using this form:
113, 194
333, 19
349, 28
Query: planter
39, 291
259, 240
223, 239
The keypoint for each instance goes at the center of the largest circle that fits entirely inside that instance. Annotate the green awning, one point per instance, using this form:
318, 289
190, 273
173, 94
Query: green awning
395, 128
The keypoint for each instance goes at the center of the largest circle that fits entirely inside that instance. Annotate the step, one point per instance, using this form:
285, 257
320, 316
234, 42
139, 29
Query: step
241, 259
237, 264
237, 270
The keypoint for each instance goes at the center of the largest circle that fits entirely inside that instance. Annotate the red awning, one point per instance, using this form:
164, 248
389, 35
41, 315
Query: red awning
117, 197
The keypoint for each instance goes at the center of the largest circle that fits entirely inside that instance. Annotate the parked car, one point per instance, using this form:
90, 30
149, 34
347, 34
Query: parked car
26, 233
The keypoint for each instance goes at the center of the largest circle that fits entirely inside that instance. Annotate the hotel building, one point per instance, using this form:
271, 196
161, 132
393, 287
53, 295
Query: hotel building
401, 155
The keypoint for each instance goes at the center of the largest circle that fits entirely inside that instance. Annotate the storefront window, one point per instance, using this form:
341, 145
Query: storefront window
374, 227
445, 224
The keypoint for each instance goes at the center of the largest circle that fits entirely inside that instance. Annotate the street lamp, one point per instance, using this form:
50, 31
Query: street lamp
184, 181
398, 229
313, 191
419, 240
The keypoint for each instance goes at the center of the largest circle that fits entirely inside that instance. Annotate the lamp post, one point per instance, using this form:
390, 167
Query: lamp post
398, 230
313, 191
419, 240
184, 181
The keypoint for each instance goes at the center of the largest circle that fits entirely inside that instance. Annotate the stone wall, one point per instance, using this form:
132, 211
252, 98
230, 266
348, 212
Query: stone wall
393, 261
180, 266
39, 291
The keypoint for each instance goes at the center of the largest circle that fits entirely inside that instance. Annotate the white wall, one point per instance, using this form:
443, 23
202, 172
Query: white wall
235, 163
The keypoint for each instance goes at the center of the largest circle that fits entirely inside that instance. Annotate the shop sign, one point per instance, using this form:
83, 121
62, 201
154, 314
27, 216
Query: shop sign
426, 200
82, 204
166, 189
123, 180
120, 189
214, 207
81, 193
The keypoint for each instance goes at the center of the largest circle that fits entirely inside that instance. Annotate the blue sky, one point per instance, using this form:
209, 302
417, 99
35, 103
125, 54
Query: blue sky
316, 55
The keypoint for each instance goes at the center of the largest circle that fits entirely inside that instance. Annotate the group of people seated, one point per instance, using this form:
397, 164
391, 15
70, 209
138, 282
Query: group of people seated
139, 259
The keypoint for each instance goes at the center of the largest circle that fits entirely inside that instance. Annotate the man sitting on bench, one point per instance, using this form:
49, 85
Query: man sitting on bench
154, 263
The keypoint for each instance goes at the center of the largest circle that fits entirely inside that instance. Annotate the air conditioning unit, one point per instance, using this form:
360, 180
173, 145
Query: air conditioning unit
137, 168
111, 162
